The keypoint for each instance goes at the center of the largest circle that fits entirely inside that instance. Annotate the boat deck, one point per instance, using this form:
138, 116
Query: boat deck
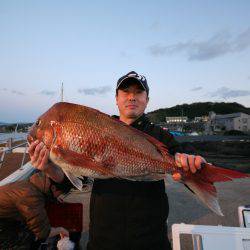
12, 161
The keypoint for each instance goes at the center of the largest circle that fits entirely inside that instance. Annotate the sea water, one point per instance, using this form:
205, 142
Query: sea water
16, 136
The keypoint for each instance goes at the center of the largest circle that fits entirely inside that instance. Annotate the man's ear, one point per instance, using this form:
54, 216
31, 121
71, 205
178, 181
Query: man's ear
116, 99
147, 99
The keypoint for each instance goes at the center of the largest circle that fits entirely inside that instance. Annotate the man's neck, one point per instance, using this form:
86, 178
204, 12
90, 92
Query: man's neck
127, 120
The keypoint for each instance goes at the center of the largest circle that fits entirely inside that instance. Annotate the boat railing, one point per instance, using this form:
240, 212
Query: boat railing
9, 149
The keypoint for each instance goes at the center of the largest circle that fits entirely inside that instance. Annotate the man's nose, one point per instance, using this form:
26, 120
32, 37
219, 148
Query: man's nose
131, 96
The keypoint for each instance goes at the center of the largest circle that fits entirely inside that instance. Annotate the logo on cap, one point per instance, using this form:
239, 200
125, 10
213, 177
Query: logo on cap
140, 78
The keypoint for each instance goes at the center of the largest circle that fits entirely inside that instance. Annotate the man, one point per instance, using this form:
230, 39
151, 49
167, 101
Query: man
128, 214
137, 211
23, 218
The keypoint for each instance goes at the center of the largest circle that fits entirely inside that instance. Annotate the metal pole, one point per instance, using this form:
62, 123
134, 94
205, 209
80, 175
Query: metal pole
2, 159
24, 154
62, 92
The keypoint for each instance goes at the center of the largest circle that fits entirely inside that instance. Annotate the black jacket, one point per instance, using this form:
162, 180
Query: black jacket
131, 214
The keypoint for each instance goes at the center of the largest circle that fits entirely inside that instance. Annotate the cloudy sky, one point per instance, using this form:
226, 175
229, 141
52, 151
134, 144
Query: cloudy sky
189, 51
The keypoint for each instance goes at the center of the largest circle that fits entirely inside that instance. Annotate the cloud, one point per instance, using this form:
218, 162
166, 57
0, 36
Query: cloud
218, 45
17, 92
155, 26
123, 54
47, 92
242, 42
226, 93
196, 89
95, 91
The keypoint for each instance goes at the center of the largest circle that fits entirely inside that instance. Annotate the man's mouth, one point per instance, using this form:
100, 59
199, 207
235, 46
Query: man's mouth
131, 106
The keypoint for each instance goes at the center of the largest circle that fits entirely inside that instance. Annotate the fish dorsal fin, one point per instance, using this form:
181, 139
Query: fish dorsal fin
161, 148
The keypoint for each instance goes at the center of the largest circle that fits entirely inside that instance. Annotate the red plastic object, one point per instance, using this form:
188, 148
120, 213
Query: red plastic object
67, 215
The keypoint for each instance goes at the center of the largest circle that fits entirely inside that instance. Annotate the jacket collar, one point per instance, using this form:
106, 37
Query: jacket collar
138, 122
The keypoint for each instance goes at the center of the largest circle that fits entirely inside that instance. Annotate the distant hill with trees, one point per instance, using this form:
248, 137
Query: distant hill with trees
197, 109
10, 127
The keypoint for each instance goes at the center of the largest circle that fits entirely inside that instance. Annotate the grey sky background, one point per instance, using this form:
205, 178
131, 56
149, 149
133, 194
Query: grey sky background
189, 51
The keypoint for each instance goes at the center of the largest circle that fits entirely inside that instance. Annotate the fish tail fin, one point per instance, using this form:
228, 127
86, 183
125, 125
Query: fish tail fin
202, 183
206, 192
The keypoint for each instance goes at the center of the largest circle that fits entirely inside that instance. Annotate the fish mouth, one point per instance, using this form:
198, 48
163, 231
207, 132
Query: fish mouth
30, 139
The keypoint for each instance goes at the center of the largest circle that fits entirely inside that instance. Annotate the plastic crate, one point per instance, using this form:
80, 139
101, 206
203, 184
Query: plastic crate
67, 215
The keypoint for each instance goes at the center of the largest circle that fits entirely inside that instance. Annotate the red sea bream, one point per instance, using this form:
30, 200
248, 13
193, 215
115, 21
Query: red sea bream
85, 142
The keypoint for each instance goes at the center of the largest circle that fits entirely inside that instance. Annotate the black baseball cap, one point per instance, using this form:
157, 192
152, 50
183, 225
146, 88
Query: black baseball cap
131, 76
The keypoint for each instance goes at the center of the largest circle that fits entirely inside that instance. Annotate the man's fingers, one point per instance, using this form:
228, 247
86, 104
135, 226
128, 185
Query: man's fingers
177, 160
32, 147
44, 160
37, 150
191, 163
181, 161
41, 155
199, 161
184, 161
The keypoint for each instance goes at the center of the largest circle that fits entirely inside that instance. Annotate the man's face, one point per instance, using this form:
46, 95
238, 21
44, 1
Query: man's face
131, 101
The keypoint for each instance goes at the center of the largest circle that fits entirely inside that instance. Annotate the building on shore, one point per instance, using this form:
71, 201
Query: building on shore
219, 123
184, 124
176, 122
211, 124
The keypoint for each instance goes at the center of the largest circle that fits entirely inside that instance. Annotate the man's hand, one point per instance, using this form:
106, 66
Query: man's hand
39, 155
188, 163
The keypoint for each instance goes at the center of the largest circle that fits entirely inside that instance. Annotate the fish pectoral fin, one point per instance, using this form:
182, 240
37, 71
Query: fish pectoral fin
74, 180
75, 159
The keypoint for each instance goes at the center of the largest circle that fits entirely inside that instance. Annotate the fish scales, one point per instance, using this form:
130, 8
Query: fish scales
102, 123
105, 148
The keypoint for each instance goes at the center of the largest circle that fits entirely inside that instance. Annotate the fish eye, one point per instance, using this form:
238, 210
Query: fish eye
38, 122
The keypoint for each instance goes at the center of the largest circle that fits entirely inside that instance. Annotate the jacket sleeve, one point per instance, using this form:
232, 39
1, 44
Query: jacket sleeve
166, 138
33, 211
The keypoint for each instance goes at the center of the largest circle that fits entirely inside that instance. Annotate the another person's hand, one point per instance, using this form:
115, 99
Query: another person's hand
63, 232
188, 163
59, 230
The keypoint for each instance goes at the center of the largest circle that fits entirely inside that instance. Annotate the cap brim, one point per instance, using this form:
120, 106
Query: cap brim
128, 79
